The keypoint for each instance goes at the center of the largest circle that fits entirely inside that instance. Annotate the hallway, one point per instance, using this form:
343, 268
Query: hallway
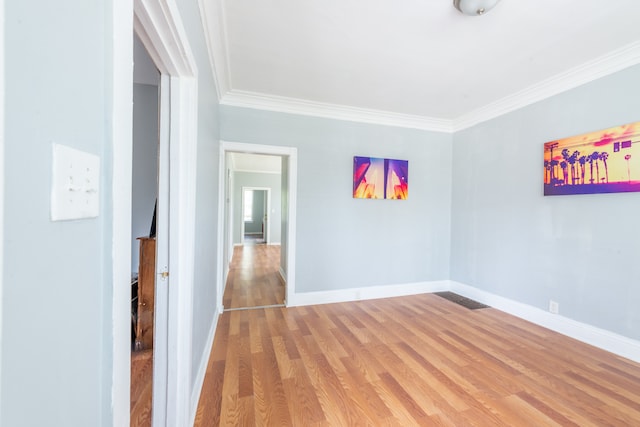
254, 280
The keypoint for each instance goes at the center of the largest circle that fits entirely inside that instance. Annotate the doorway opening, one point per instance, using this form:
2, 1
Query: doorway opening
162, 33
144, 201
257, 205
256, 216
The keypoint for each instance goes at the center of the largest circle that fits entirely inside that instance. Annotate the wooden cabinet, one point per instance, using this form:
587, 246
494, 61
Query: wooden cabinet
146, 293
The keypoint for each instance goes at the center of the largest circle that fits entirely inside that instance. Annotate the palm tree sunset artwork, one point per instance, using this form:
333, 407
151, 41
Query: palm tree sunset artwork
606, 161
377, 178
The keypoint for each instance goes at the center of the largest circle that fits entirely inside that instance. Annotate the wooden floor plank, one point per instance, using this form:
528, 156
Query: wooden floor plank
141, 388
254, 277
418, 360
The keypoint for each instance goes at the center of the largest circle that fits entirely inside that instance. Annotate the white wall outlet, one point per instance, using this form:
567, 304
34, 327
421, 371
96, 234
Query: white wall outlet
75, 184
554, 307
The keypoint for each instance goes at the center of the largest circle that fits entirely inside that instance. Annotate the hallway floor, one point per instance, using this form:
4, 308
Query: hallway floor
254, 279
416, 360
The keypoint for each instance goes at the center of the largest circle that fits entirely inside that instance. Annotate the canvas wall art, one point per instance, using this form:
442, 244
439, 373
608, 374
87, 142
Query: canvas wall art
377, 178
606, 161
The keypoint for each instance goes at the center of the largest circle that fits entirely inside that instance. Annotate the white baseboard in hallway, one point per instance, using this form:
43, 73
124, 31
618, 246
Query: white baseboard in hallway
601, 338
365, 293
202, 368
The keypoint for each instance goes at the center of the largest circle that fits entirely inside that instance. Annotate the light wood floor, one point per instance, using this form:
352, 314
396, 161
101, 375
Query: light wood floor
253, 279
141, 390
418, 360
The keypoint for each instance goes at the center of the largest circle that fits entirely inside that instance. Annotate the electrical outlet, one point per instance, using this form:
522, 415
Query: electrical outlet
554, 307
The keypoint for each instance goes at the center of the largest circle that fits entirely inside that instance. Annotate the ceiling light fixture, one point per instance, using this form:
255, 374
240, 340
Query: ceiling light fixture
474, 7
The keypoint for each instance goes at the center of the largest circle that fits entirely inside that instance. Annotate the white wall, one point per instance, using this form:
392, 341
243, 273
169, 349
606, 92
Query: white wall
508, 239
344, 242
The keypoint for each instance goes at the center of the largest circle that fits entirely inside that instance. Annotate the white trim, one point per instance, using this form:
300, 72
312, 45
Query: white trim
606, 340
121, 143
159, 26
291, 154
182, 247
222, 266
602, 66
366, 293
292, 186
202, 369
239, 98
283, 275
603, 339
2, 101
257, 171
214, 23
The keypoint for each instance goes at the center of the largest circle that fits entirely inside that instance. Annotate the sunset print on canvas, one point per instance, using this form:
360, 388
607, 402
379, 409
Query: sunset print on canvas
377, 178
606, 161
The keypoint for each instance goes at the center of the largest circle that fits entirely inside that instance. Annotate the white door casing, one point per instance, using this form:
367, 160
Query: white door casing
291, 156
159, 27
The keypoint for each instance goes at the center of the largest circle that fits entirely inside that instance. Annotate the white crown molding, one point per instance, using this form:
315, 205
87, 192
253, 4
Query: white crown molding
213, 17
602, 66
238, 98
213, 21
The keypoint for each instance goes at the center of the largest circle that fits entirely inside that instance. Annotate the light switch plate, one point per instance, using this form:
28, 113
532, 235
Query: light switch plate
75, 184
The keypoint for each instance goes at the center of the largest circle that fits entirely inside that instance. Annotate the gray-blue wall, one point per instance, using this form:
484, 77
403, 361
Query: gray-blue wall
204, 290
507, 238
343, 242
144, 188
257, 213
57, 316
56, 305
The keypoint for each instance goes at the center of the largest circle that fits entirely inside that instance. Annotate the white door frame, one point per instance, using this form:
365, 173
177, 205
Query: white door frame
158, 24
1, 174
267, 211
291, 156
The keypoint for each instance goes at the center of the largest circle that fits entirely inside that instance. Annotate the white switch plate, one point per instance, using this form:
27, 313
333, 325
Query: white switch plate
75, 184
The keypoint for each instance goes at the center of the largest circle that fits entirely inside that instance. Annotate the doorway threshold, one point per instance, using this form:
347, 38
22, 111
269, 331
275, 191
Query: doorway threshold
254, 308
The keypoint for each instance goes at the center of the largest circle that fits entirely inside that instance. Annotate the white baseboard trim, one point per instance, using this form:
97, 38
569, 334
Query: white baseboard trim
606, 340
202, 369
283, 275
373, 292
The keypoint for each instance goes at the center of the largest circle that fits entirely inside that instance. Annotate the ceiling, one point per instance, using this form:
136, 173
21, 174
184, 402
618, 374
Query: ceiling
246, 162
418, 63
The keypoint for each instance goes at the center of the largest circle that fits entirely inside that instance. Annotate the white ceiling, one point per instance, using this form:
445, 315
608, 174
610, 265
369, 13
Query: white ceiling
246, 162
414, 59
